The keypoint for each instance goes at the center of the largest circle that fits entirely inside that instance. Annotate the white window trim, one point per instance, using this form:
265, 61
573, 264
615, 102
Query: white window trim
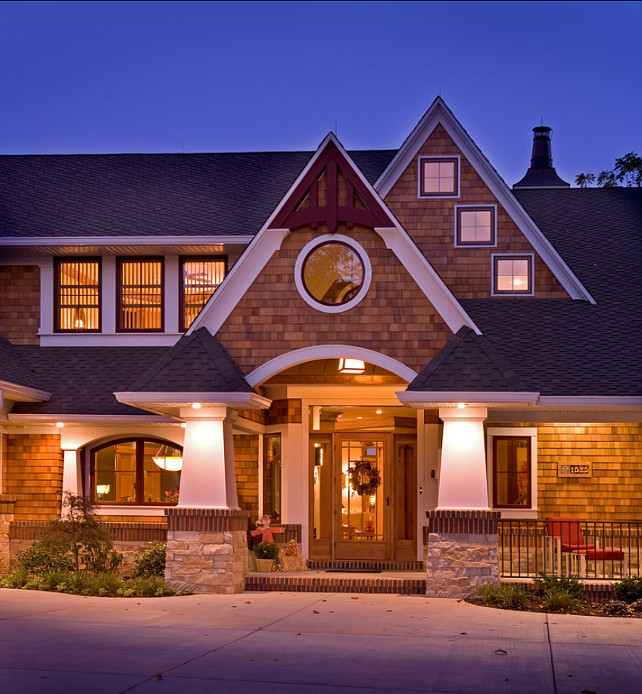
476, 207
522, 432
528, 256
298, 272
452, 196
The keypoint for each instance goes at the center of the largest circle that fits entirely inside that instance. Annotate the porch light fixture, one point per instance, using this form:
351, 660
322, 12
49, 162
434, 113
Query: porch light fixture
60, 425
196, 405
351, 366
378, 411
461, 405
171, 463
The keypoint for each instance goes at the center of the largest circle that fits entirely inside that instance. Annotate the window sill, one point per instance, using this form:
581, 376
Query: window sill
517, 513
151, 511
109, 339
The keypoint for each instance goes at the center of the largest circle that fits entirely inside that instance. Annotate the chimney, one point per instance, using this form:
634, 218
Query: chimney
541, 174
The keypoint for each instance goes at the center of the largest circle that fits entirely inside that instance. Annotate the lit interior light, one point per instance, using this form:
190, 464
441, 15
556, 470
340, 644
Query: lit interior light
358, 417
517, 282
351, 366
102, 489
379, 412
196, 405
172, 463
60, 425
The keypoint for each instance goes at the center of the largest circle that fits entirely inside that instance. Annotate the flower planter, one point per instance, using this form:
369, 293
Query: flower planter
264, 565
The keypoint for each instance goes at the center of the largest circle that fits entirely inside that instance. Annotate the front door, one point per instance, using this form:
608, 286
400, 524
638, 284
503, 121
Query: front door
362, 496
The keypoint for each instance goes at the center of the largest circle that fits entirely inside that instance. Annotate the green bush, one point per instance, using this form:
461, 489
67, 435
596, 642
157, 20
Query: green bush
150, 562
43, 555
508, 596
560, 593
628, 589
267, 550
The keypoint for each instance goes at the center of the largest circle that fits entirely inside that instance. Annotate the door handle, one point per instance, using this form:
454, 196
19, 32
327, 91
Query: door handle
387, 501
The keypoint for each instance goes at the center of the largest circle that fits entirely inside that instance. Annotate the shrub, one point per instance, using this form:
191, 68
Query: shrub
628, 589
150, 562
267, 550
560, 593
508, 596
43, 555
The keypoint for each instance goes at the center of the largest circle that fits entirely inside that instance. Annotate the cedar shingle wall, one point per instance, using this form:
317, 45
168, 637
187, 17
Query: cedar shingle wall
394, 318
246, 458
613, 493
431, 224
32, 471
285, 412
20, 304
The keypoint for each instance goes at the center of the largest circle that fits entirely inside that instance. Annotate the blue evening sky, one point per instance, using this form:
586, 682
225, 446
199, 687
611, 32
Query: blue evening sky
94, 77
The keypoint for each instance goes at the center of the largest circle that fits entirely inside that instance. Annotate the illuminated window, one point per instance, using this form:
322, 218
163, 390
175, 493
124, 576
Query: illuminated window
475, 226
272, 477
511, 472
77, 295
438, 177
513, 275
200, 277
136, 471
140, 294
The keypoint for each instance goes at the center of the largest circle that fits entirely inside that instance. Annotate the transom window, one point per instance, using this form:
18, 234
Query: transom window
140, 294
200, 277
438, 177
513, 275
136, 471
475, 226
77, 295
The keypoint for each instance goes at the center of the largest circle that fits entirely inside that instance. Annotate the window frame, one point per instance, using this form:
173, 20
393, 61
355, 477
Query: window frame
120, 260
496, 257
181, 286
58, 261
492, 243
454, 159
140, 442
516, 512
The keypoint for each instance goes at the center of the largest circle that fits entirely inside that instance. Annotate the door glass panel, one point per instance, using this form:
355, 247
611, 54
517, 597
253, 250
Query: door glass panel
362, 491
405, 476
322, 490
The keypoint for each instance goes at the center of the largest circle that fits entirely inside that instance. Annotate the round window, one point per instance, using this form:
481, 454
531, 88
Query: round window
332, 273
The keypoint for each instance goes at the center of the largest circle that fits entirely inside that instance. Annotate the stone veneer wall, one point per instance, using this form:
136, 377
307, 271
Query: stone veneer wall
6, 517
460, 552
207, 550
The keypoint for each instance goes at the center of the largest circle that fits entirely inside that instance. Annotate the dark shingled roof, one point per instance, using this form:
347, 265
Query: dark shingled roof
196, 363
82, 380
151, 194
468, 362
13, 369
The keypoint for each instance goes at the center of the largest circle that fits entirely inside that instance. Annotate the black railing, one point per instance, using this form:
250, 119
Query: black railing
565, 546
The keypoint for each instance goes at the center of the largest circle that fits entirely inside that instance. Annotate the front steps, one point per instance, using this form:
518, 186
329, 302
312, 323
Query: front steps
345, 577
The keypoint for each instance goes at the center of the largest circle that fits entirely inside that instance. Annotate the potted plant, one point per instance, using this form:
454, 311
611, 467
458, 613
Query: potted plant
266, 554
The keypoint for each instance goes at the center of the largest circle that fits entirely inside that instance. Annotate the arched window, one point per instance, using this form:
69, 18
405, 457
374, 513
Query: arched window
136, 471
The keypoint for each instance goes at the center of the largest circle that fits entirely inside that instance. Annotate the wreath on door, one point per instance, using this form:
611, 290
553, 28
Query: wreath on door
364, 477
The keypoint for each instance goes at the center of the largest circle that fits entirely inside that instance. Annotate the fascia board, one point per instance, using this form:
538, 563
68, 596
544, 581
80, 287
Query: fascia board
87, 419
439, 113
417, 398
398, 241
250, 400
124, 240
606, 401
12, 391
239, 279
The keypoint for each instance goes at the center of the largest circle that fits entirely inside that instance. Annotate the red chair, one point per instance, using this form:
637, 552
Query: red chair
567, 538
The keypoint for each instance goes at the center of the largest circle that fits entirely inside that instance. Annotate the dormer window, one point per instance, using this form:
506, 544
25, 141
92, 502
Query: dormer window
140, 295
438, 177
77, 295
513, 275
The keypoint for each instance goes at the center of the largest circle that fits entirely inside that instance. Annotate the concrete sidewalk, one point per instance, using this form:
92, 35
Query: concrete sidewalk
306, 643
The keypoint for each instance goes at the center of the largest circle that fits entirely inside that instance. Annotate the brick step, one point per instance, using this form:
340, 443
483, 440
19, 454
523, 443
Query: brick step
319, 582
354, 565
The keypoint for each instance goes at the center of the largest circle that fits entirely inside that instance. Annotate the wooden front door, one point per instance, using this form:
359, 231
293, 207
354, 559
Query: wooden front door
362, 501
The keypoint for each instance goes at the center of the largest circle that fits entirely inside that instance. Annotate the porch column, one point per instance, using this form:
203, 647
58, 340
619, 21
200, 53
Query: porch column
460, 552
208, 475
69, 474
207, 532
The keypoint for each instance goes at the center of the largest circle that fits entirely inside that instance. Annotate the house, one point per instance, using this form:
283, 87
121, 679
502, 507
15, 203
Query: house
361, 344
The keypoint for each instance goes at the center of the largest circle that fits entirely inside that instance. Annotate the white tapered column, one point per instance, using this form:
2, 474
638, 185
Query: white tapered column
462, 483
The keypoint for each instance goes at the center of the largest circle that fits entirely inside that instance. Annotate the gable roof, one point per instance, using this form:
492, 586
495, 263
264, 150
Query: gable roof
440, 114
468, 362
196, 363
13, 370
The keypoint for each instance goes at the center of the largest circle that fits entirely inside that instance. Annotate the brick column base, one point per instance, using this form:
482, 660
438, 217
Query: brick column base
7, 503
207, 550
460, 552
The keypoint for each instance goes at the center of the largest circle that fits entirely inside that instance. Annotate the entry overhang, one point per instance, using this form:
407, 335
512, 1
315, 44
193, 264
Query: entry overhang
171, 404
423, 400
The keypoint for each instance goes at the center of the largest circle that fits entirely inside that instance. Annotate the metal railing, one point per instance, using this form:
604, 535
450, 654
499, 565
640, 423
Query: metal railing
582, 549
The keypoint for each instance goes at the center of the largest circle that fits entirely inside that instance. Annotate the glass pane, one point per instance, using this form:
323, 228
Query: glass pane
141, 294
272, 477
512, 472
362, 492
322, 490
78, 295
200, 279
333, 273
115, 473
161, 473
